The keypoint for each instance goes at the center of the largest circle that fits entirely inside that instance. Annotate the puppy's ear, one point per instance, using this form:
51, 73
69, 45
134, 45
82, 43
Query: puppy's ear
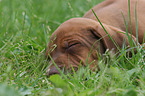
118, 36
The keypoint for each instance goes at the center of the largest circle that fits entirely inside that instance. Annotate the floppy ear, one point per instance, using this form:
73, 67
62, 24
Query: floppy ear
118, 36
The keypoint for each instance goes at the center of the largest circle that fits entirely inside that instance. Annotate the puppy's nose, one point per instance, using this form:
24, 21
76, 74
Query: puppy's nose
52, 71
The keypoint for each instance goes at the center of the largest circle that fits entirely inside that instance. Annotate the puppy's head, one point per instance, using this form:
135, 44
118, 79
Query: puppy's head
78, 41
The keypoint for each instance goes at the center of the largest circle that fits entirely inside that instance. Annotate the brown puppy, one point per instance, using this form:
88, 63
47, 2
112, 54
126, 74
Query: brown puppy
74, 39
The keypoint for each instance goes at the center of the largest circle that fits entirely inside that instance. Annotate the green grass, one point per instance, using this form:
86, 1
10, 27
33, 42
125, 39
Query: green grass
25, 28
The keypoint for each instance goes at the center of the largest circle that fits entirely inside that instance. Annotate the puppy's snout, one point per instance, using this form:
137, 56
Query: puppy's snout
52, 71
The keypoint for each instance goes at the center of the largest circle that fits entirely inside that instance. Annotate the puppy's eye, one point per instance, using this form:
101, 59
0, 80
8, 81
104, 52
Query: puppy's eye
73, 44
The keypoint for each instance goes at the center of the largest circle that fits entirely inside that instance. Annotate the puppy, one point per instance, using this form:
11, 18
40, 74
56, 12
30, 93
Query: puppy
79, 40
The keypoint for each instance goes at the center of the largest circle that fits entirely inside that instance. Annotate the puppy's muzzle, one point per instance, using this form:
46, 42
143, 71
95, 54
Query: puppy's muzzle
51, 71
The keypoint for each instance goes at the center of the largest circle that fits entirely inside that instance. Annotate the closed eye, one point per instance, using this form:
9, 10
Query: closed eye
73, 44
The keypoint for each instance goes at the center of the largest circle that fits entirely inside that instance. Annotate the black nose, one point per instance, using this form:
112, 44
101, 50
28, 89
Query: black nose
52, 71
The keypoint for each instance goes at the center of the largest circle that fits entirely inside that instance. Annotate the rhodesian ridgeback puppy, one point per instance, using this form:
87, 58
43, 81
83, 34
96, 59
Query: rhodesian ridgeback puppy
79, 40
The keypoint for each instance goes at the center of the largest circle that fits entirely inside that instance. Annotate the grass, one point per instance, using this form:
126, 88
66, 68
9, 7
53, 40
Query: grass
25, 28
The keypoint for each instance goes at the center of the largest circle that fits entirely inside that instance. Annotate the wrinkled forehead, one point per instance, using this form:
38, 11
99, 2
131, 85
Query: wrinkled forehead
75, 27
66, 33
67, 29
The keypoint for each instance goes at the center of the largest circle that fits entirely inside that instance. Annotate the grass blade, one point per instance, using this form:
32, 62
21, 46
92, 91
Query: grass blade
105, 29
136, 22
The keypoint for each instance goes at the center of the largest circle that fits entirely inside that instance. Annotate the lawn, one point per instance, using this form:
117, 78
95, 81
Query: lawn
25, 28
